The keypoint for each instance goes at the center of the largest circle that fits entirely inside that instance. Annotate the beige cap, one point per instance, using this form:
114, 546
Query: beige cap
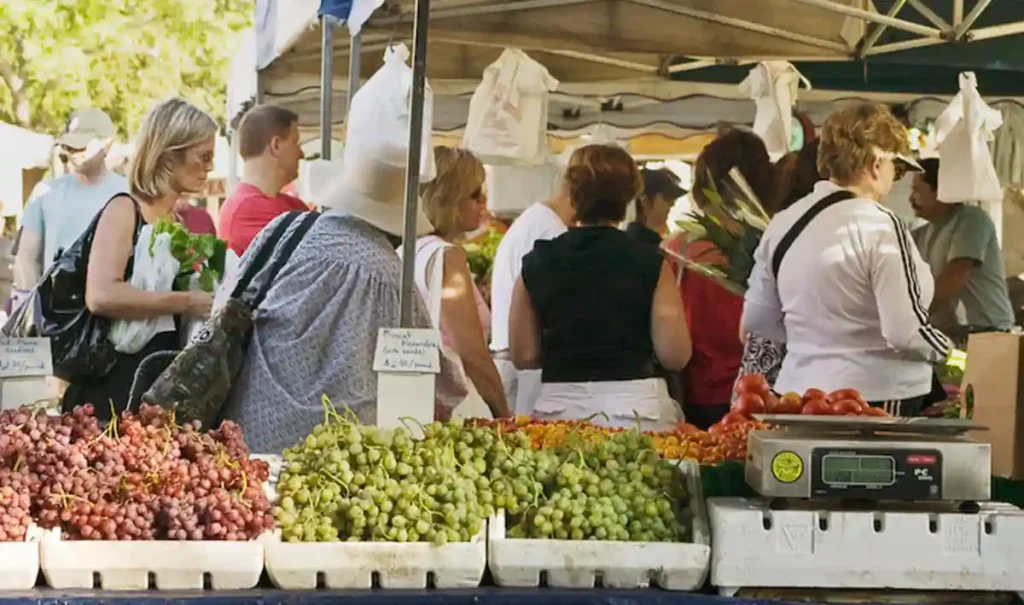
85, 126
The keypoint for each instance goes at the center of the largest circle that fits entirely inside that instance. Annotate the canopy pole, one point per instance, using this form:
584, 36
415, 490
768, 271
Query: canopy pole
412, 168
354, 66
327, 23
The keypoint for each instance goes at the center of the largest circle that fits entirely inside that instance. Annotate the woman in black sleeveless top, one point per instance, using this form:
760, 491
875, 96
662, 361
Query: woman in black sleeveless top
594, 308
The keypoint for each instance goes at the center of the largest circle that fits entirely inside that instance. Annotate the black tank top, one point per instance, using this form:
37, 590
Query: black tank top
592, 289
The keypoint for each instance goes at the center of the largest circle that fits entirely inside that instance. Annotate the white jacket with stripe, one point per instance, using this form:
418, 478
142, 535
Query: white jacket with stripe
851, 301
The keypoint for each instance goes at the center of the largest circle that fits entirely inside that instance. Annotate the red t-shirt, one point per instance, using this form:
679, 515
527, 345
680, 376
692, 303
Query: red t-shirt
248, 211
197, 220
713, 316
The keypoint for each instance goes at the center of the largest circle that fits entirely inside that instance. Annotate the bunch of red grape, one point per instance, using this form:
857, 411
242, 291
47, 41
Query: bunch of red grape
15, 501
144, 477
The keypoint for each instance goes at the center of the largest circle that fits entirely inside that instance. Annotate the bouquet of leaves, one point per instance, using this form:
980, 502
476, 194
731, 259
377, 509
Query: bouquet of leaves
480, 254
733, 222
200, 255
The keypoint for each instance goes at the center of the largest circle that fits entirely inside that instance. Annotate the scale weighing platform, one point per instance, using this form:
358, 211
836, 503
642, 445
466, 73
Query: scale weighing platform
869, 458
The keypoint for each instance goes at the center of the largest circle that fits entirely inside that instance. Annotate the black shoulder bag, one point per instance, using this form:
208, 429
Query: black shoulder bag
197, 383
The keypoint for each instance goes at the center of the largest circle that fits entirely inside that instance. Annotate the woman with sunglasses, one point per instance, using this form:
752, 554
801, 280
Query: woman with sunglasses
837, 277
455, 204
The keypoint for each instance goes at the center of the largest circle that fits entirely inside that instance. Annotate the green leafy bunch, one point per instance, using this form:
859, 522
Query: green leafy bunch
733, 221
203, 255
480, 253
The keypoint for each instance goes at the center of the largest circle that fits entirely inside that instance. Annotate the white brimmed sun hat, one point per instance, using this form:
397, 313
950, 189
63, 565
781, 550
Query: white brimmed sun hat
371, 187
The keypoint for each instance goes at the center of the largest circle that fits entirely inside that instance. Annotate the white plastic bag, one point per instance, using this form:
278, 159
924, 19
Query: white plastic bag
153, 272
773, 87
508, 114
966, 170
191, 325
380, 112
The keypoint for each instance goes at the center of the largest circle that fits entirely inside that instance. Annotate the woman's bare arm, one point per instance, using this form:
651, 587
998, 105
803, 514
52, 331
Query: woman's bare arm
106, 292
461, 322
524, 329
669, 333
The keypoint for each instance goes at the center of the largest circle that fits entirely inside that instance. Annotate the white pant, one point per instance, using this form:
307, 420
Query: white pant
522, 387
643, 404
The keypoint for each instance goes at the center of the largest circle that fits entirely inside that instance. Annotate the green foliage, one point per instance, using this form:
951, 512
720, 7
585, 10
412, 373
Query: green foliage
480, 254
204, 254
118, 55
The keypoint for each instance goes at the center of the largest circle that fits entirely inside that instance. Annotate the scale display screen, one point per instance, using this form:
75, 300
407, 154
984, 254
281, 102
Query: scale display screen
851, 469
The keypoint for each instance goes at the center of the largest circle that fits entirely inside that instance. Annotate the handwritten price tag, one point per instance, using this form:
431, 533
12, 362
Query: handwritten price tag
405, 350
21, 357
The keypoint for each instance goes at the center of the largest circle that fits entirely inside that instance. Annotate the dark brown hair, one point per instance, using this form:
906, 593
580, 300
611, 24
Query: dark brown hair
602, 180
744, 151
798, 172
260, 125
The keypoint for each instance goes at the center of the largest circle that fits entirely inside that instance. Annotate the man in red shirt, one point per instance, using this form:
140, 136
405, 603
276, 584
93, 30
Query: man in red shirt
269, 146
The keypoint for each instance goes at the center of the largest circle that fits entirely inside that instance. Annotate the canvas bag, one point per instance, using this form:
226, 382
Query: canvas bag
199, 380
379, 113
508, 114
995, 372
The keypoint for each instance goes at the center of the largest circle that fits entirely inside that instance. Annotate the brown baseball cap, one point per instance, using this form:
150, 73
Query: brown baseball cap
662, 182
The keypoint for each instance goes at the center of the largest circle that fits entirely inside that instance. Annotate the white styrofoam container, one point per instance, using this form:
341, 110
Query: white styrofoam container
19, 562
517, 562
757, 547
172, 564
352, 565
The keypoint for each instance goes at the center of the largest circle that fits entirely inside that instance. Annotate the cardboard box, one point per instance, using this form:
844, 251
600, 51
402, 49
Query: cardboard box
995, 369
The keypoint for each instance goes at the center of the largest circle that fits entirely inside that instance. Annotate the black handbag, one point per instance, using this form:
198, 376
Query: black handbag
197, 383
56, 310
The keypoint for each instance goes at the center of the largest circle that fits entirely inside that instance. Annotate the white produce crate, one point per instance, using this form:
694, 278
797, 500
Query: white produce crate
19, 562
518, 562
757, 547
353, 565
170, 564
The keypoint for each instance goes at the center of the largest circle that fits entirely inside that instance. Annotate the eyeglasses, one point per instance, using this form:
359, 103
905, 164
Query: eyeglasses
71, 150
901, 165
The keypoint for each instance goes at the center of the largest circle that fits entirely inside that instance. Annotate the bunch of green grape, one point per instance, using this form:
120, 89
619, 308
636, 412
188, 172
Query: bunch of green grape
359, 483
617, 489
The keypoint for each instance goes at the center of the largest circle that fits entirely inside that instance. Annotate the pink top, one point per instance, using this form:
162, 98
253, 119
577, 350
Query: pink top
482, 310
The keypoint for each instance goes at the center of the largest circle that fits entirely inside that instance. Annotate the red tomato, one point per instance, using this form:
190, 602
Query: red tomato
847, 407
813, 394
753, 383
734, 417
714, 429
817, 407
749, 404
843, 394
869, 411
771, 403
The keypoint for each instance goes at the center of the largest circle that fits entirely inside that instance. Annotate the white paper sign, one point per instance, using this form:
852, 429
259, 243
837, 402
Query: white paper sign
21, 357
407, 350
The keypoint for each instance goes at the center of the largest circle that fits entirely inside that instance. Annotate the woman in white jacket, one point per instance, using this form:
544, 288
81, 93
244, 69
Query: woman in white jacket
454, 202
838, 279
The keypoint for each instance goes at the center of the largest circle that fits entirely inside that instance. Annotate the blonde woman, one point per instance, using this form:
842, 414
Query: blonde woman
173, 156
455, 203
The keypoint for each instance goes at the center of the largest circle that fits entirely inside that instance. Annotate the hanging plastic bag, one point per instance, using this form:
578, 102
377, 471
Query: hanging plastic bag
153, 270
380, 112
508, 114
963, 131
773, 86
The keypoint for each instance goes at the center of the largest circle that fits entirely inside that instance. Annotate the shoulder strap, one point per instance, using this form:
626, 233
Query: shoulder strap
433, 254
289, 246
263, 254
801, 224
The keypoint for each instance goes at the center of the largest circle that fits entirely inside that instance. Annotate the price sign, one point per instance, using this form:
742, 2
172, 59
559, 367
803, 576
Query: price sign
25, 357
405, 350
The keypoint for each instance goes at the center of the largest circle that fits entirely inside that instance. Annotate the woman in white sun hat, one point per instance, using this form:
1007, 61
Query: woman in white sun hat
316, 330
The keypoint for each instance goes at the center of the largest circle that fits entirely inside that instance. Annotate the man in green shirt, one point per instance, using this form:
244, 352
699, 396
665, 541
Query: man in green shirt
960, 244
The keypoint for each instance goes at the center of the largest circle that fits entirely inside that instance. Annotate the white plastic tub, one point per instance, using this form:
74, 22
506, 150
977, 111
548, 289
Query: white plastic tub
517, 562
19, 562
354, 565
163, 565
757, 547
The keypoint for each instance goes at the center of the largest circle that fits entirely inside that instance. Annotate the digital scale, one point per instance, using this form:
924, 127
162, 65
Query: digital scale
868, 458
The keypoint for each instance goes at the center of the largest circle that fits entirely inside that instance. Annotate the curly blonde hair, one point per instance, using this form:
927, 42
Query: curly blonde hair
852, 138
460, 176
169, 130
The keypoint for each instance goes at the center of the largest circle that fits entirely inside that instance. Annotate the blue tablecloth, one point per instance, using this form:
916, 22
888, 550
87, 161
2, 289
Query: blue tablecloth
481, 596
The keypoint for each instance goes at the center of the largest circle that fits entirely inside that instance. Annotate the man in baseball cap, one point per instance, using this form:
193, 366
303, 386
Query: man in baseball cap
661, 190
61, 209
